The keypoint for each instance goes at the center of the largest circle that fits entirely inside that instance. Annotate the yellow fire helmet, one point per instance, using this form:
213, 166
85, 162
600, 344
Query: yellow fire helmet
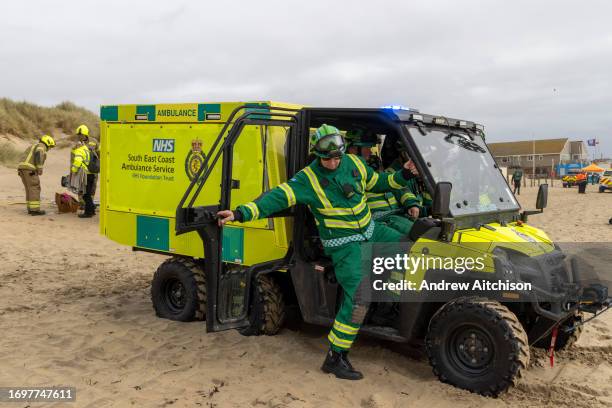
82, 130
48, 141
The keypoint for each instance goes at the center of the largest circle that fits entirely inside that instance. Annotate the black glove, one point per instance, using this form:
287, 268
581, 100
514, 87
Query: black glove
238, 216
407, 174
374, 162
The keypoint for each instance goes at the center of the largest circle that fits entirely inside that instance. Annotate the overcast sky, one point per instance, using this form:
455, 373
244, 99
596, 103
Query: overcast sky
524, 69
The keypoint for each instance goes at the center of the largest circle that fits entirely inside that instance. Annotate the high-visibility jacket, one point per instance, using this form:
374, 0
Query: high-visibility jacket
411, 196
34, 158
80, 158
336, 198
391, 201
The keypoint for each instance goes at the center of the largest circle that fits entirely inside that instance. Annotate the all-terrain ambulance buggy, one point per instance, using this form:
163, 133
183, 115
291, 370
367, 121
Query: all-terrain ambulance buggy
168, 169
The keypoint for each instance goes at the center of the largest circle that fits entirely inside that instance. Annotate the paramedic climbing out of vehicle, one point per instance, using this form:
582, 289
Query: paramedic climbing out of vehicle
333, 186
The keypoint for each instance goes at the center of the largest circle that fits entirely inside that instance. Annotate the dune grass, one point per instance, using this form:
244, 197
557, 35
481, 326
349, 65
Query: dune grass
9, 154
30, 121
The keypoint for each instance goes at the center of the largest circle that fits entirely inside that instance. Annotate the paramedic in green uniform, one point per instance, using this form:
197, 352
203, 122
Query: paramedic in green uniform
415, 197
333, 186
388, 208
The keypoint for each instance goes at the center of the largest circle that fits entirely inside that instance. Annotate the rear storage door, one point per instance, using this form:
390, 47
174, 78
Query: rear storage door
148, 167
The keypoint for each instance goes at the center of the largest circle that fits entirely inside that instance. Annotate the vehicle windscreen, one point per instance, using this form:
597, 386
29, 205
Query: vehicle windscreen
463, 159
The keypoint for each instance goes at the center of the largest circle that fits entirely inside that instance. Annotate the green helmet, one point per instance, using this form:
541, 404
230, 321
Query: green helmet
327, 142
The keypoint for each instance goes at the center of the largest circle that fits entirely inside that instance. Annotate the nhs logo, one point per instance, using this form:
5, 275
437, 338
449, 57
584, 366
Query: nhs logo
163, 145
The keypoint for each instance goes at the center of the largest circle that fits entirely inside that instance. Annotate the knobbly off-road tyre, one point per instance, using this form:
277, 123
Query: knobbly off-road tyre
267, 308
477, 344
178, 290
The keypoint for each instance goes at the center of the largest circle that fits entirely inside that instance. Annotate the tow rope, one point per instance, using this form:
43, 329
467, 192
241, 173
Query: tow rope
553, 341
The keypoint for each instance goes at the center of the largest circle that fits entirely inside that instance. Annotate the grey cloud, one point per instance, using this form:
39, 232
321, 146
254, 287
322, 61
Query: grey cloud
523, 68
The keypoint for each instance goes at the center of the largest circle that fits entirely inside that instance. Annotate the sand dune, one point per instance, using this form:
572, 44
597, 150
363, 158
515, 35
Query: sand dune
75, 310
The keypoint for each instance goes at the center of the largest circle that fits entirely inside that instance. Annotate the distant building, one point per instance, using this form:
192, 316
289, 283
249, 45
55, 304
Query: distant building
603, 163
541, 153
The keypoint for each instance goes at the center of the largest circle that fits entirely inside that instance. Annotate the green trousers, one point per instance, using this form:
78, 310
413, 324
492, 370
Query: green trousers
397, 222
347, 260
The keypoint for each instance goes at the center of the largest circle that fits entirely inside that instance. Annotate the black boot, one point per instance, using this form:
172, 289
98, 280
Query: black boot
85, 215
36, 212
337, 363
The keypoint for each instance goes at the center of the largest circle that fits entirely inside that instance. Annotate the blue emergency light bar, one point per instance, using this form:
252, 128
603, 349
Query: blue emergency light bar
397, 107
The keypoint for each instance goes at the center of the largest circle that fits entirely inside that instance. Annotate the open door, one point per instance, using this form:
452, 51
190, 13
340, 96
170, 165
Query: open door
243, 176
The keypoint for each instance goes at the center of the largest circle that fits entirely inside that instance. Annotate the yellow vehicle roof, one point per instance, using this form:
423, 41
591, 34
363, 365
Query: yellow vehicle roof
182, 112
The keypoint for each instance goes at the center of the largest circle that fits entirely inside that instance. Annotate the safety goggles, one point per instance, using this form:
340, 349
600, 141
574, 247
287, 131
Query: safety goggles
330, 146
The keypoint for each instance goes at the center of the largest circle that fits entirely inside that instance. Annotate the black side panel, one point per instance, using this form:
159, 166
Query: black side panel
316, 290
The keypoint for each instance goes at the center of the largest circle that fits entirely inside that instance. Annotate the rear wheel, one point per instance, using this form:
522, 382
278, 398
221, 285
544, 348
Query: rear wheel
477, 344
178, 290
268, 308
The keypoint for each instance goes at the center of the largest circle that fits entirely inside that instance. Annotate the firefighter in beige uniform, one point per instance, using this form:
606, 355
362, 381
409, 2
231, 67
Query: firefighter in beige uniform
31, 168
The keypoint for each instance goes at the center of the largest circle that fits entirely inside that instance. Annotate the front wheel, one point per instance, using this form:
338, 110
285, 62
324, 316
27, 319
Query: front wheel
477, 344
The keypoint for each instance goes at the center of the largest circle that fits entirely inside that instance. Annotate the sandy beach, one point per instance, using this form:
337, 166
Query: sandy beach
75, 310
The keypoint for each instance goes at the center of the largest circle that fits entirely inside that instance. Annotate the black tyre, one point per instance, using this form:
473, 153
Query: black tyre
565, 339
178, 291
477, 344
267, 308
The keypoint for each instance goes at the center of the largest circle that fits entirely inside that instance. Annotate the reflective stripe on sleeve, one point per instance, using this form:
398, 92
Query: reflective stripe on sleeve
254, 210
372, 181
378, 204
393, 183
289, 193
407, 196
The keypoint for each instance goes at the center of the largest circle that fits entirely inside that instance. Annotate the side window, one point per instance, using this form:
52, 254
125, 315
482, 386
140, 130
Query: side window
275, 142
258, 164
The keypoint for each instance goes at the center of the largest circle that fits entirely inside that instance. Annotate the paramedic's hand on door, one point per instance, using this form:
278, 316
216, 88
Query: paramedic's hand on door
409, 165
225, 216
